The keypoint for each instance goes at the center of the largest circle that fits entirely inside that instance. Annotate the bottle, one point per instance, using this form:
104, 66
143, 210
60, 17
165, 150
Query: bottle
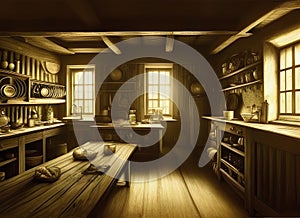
264, 112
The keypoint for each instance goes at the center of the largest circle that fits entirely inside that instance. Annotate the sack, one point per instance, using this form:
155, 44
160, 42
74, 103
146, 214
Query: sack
83, 154
47, 174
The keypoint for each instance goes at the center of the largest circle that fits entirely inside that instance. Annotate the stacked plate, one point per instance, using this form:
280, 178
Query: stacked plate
12, 87
48, 91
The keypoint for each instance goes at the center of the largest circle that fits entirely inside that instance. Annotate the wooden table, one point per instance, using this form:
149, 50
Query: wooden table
139, 128
73, 195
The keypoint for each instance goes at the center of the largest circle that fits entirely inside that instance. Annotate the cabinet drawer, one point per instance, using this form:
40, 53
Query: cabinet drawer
33, 137
9, 143
53, 132
234, 129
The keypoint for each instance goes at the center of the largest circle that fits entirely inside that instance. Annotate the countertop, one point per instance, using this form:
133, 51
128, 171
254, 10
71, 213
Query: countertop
29, 130
137, 126
286, 130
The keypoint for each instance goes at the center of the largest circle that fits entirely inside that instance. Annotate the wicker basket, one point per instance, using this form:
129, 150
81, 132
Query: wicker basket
33, 161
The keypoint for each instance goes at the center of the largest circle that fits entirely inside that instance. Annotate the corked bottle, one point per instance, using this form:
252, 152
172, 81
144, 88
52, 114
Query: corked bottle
264, 112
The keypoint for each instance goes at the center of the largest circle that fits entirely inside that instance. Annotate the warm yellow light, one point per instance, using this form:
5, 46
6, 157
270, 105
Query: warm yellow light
286, 38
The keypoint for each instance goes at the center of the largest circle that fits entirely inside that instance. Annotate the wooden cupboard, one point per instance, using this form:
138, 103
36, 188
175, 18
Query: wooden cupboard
13, 146
267, 176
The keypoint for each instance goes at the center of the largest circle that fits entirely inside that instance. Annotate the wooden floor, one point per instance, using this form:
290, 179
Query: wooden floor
189, 191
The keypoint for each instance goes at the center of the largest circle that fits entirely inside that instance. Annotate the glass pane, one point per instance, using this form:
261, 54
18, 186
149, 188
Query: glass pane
165, 91
297, 102
88, 92
282, 81
153, 95
289, 102
297, 54
289, 80
88, 77
165, 105
297, 78
282, 102
78, 92
153, 77
79, 103
289, 57
153, 89
153, 104
78, 78
282, 59
88, 106
164, 77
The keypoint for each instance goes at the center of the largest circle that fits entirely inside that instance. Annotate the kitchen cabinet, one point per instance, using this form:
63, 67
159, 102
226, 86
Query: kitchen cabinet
9, 153
14, 146
232, 157
262, 164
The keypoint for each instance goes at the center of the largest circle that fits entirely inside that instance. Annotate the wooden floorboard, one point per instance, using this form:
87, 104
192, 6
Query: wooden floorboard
189, 191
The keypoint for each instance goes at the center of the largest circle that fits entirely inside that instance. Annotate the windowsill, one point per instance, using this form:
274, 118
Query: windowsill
168, 119
285, 122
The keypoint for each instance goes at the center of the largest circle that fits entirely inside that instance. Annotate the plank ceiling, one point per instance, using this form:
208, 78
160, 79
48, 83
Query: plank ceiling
89, 26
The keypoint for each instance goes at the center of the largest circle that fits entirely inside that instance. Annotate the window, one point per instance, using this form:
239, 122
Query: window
158, 80
289, 80
83, 89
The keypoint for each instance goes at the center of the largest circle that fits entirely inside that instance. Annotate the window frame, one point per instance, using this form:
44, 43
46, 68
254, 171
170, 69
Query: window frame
293, 116
71, 69
146, 99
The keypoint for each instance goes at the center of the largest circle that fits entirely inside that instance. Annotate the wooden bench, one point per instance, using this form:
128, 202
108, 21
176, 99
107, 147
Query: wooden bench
73, 195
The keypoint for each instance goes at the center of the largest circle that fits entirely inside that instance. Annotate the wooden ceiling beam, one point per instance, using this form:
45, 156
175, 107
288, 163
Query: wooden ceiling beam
117, 33
169, 43
111, 45
28, 50
287, 7
87, 50
47, 44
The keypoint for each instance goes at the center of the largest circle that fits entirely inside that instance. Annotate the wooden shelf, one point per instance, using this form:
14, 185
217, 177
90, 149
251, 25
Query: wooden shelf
12, 73
7, 161
232, 168
47, 101
46, 83
228, 146
240, 70
233, 181
33, 101
242, 85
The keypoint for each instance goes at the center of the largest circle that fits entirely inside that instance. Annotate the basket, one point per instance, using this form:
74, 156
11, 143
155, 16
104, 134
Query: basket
33, 161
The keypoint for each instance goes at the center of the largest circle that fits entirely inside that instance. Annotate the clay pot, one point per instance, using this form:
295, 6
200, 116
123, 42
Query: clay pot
197, 89
11, 66
4, 64
116, 75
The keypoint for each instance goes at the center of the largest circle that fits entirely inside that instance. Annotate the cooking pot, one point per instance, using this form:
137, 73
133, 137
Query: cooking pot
3, 119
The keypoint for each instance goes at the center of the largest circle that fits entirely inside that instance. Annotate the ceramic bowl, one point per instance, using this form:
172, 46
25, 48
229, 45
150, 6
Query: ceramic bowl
8, 91
247, 116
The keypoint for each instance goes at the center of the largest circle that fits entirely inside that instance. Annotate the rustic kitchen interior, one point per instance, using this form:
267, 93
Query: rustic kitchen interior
63, 112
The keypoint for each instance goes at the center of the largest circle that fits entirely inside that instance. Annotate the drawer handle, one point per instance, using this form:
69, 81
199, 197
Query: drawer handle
239, 132
232, 128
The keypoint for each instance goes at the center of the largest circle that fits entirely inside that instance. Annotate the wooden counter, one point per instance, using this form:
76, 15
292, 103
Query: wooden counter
271, 164
17, 142
285, 130
73, 195
27, 130
139, 128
